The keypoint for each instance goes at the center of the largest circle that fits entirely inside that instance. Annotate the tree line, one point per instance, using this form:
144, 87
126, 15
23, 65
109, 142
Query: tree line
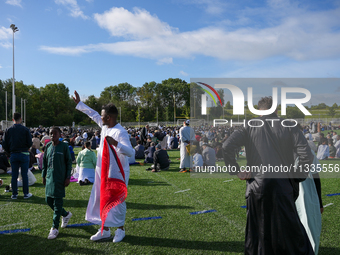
53, 104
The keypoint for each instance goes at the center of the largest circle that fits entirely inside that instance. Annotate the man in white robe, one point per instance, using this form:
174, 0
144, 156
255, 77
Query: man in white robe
119, 138
187, 135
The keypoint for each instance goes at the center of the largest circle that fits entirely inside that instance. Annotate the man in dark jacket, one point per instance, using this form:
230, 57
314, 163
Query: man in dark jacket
144, 134
273, 225
139, 150
149, 153
160, 159
17, 140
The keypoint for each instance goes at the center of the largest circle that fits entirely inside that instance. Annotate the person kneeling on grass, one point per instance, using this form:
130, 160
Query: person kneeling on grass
160, 159
56, 174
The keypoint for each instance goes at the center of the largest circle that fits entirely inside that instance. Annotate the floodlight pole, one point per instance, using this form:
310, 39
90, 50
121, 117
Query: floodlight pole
6, 107
174, 109
120, 115
15, 29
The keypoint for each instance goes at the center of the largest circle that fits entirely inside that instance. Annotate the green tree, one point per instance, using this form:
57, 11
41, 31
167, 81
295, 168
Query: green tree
331, 111
294, 113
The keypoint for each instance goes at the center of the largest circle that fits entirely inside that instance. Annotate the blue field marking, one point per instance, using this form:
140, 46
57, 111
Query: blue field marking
14, 231
243, 206
335, 194
80, 225
200, 212
148, 218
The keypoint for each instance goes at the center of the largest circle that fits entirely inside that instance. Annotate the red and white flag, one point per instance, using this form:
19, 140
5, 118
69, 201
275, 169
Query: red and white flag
113, 190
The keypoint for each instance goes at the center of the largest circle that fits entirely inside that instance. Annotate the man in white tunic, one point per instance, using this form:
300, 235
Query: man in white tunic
187, 135
117, 136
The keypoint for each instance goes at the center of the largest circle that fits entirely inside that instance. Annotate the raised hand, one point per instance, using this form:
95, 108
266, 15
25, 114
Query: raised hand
76, 98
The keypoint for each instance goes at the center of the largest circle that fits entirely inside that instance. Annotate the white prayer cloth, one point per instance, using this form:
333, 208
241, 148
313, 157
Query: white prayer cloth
337, 147
197, 160
116, 216
323, 151
186, 133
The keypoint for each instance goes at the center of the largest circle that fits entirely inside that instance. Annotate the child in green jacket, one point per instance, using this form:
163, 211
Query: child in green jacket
56, 174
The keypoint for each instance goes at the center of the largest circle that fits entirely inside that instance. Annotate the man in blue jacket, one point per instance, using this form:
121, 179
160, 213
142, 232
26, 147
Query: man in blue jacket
16, 141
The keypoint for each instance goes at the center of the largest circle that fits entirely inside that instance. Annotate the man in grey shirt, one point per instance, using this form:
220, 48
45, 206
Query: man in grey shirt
209, 155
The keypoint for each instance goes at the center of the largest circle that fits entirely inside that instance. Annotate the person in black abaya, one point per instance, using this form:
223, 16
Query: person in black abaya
273, 226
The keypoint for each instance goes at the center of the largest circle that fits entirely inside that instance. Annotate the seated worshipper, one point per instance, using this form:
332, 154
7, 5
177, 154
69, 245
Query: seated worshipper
323, 150
209, 155
36, 141
337, 146
148, 143
197, 158
39, 158
149, 152
78, 140
160, 135
160, 159
46, 139
87, 161
72, 153
311, 143
3, 163
133, 141
31, 178
132, 159
174, 142
93, 143
139, 150
332, 149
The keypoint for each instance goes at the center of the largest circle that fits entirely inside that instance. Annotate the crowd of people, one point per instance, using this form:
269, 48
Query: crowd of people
52, 150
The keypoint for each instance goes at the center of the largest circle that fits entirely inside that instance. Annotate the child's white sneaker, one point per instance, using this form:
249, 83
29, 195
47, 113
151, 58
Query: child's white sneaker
53, 233
65, 220
99, 236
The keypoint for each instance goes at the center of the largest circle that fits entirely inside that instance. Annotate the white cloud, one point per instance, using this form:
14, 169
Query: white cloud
0, 66
306, 36
73, 7
164, 61
138, 24
5, 35
14, 2
183, 73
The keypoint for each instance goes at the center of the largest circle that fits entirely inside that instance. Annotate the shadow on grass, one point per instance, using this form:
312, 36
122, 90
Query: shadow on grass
41, 200
328, 251
147, 182
29, 244
139, 206
233, 246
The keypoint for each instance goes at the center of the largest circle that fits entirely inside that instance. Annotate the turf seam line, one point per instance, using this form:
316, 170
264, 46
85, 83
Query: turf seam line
80, 225
229, 180
335, 194
147, 218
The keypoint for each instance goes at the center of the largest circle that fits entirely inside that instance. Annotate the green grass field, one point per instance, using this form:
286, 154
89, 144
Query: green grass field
150, 195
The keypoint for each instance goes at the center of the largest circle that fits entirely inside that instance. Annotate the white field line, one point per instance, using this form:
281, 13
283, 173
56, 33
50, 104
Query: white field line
229, 180
10, 225
327, 205
182, 191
